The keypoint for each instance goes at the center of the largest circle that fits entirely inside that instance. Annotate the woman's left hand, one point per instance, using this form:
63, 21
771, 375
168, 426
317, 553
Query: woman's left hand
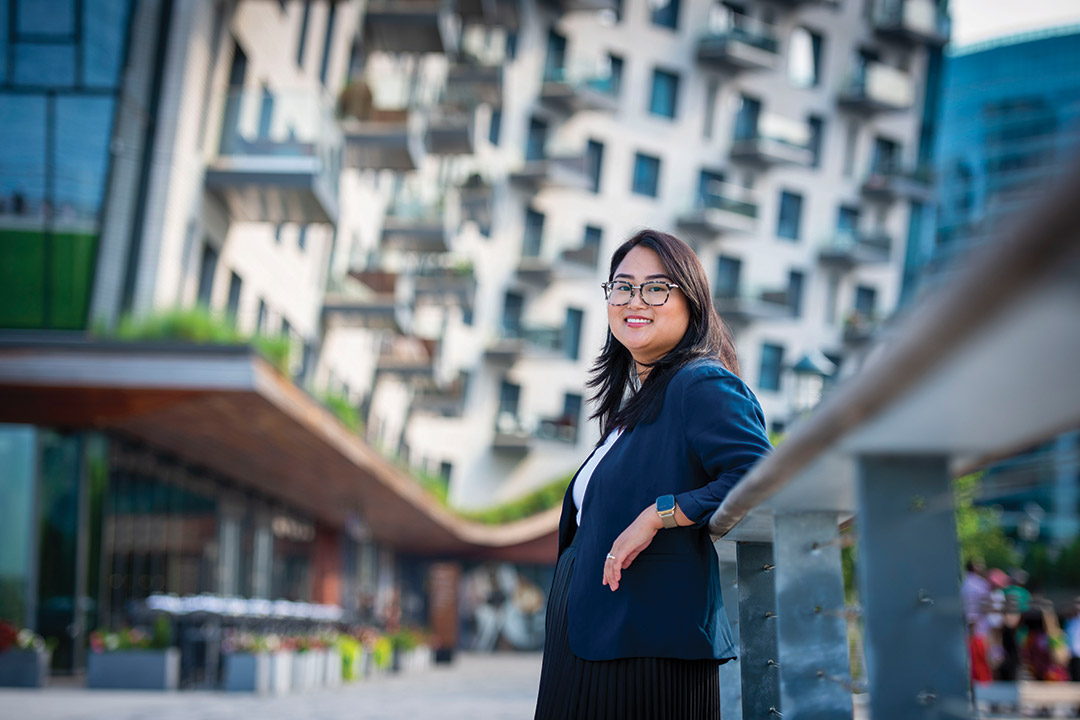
629, 545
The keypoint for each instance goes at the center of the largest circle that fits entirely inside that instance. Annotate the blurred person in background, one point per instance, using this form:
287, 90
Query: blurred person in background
1072, 634
635, 621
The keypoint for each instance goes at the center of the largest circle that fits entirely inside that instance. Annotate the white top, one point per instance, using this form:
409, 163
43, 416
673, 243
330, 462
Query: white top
586, 472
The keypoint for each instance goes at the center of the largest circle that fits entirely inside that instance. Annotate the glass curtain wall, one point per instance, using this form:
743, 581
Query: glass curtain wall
60, 75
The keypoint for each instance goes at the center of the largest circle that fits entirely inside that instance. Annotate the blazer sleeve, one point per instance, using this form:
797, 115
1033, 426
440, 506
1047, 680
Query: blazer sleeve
725, 429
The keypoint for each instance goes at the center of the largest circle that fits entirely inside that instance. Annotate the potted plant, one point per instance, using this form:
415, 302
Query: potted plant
281, 661
246, 662
24, 657
134, 660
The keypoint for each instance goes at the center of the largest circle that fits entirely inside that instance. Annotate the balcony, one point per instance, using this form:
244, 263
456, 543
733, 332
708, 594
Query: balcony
801, 3
570, 91
875, 87
411, 226
382, 282
443, 402
846, 250
561, 429
913, 22
581, 260
450, 132
859, 328
776, 140
347, 304
554, 170
726, 209
569, 6
891, 182
490, 13
410, 26
408, 358
505, 349
450, 284
511, 435
472, 83
736, 42
742, 308
380, 139
279, 158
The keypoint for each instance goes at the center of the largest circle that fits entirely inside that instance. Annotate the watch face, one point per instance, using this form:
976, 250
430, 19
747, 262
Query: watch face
665, 503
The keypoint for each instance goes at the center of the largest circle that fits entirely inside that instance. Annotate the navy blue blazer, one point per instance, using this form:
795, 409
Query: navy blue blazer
710, 430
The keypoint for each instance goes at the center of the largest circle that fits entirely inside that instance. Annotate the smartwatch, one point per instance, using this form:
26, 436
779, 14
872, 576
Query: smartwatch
665, 508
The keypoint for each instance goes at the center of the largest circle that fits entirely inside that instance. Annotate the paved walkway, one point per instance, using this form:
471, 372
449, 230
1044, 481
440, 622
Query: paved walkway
477, 687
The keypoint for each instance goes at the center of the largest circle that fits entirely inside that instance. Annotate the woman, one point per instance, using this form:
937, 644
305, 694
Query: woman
635, 623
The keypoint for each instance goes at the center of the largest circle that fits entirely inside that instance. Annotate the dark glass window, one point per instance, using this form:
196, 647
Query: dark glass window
39, 65
328, 42
495, 127
646, 175
804, 58
511, 45
817, 137
45, 18
665, 91
728, 270
301, 239
104, 24
207, 268
534, 234
509, 396
772, 358
537, 139
260, 318
555, 60
667, 14
847, 220
513, 304
790, 212
594, 160
572, 333
301, 42
886, 156
746, 122
865, 301
614, 84
708, 187
796, 280
235, 284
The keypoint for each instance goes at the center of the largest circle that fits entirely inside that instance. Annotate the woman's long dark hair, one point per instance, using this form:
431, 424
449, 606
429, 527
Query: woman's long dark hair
706, 337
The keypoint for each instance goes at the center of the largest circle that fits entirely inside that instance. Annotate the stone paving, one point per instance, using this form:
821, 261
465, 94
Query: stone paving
478, 687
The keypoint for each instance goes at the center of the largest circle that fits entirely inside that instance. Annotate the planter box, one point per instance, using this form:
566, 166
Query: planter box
24, 668
303, 671
281, 672
318, 668
134, 670
247, 672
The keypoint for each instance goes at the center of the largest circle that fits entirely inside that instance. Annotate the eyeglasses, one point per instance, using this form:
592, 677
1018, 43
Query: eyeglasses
655, 292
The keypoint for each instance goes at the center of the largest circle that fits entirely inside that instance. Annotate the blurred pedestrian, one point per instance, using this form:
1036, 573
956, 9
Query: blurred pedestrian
635, 623
1072, 634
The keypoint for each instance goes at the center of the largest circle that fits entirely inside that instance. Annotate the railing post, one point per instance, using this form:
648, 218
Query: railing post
730, 677
909, 584
758, 663
815, 670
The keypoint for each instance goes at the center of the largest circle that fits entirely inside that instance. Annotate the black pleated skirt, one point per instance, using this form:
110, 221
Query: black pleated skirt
623, 689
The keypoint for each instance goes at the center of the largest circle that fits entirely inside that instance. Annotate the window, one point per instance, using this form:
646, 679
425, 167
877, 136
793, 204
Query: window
301, 239
865, 301
555, 60
266, 113
804, 58
847, 220
614, 85
301, 43
886, 156
537, 139
790, 209
509, 396
572, 333
495, 126
234, 295
445, 470
850, 141
328, 42
571, 416
534, 233
665, 90
646, 175
708, 190
795, 292
772, 358
593, 235
817, 130
594, 159
207, 268
277, 233
746, 122
511, 45
728, 270
666, 13
512, 307
260, 318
